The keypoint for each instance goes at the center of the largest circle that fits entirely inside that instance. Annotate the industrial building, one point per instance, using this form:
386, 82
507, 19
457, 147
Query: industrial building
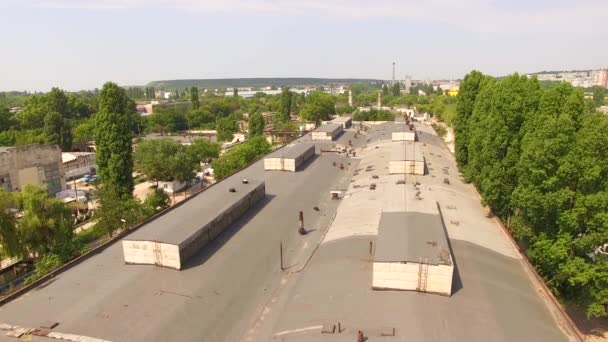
78, 164
289, 158
406, 158
328, 131
32, 164
401, 132
412, 253
173, 238
345, 121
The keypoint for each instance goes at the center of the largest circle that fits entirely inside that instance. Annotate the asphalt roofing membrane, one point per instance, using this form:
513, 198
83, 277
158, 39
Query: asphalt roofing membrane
412, 237
179, 224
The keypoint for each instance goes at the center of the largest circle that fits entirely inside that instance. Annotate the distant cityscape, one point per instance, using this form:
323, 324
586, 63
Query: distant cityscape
578, 78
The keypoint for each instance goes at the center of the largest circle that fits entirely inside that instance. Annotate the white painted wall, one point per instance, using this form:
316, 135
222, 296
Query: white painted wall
404, 136
409, 167
151, 253
405, 276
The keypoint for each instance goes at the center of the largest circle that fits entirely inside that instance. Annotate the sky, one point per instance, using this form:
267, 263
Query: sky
80, 44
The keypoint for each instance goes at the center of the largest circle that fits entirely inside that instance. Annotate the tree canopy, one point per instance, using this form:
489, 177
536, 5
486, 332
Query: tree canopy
318, 107
538, 158
113, 140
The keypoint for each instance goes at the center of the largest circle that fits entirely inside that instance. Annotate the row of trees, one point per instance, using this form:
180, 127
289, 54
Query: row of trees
539, 160
374, 115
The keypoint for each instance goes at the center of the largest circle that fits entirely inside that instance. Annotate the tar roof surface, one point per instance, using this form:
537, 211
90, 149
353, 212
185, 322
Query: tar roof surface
179, 224
406, 150
412, 237
399, 127
329, 127
292, 151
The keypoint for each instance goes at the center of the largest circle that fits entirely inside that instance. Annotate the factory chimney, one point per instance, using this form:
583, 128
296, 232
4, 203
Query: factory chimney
393, 74
379, 99
350, 97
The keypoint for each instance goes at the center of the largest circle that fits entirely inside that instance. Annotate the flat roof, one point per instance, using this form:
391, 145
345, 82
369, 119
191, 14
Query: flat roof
329, 127
292, 151
399, 127
406, 150
412, 237
181, 223
342, 119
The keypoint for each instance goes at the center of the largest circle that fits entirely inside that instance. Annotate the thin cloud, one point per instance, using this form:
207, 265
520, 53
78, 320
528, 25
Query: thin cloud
486, 16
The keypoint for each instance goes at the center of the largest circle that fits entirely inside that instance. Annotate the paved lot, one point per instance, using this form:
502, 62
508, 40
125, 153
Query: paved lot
493, 298
214, 298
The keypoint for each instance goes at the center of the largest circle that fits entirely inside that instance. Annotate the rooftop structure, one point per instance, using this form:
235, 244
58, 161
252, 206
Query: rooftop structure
289, 158
328, 131
345, 121
402, 132
412, 253
176, 236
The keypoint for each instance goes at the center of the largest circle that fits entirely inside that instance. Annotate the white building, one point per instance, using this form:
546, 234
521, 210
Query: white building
406, 158
412, 253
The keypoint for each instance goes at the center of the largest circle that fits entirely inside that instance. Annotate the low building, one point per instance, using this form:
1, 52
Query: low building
402, 132
172, 186
345, 121
406, 158
32, 164
78, 164
289, 158
412, 253
172, 239
328, 131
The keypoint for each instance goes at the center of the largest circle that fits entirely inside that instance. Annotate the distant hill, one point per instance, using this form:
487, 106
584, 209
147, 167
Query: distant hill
255, 82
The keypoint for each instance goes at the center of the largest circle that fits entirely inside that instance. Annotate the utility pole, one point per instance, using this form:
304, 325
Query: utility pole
77, 199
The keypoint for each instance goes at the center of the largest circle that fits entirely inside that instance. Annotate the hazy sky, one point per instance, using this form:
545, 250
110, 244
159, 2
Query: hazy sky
79, 44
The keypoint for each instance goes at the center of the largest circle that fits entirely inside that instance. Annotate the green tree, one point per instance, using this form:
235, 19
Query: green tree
318, 107
113, 141
57, 131
9, 239
385, 90
469, 89
226, 127
396, 89
46, 225
203, 150
286, 99
256, 124
599, 95
117, 211
194, 98
240, 156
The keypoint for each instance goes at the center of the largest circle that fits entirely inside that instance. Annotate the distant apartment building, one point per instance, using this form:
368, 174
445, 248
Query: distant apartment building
32, 164
601, 78
582, 78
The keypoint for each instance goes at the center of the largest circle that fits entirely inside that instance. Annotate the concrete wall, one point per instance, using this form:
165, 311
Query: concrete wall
409, 167
32, 164
408, 276
404, 136
141, 252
